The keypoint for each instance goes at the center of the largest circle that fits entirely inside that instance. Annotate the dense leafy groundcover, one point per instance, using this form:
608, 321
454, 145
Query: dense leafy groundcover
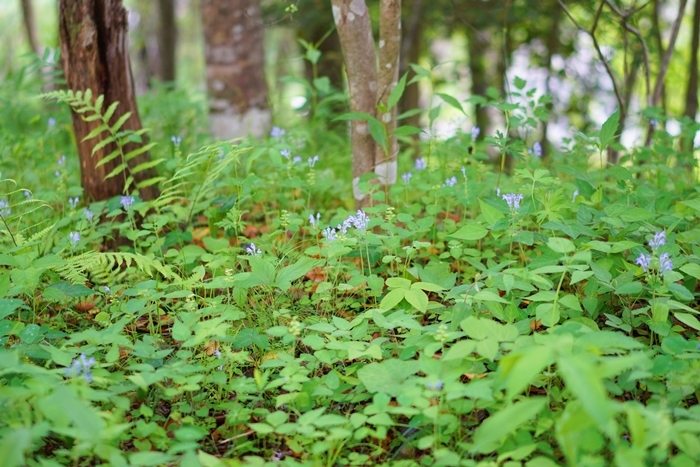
248, 316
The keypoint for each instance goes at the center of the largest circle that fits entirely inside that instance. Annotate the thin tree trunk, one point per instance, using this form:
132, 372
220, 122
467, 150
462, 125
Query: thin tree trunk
411, 48
235, 63
167, 36
94, 50
388, 74
691, 93
30, 26
355, 31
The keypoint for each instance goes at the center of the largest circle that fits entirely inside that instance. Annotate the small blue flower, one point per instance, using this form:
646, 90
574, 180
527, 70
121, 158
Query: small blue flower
313, 160
27, 194
360, 221
62, 160
653, 122
73, 202
81, 366
573, 198
329, 234
106, 289
176, 141
407, 177
52, 123
421, 164
285, 153
536, 149
513, 200
434, 386
476, 131
126, 202
464, 172
665, 264
450, 182
296, 159
658, 240
74, 238
252, 250
277, 132
88, 214
314, 220
217, 353
5, 208
57, 173
643, 260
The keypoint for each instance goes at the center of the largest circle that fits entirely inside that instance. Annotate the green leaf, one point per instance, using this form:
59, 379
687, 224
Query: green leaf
407, 130
354, 116
378, 132
688, 320
110, 111
13, 445
451, 101
392, 299
692, 269
489, 435
95, 132
630, 288
387, 376
397, 92
490, 213
418, 299
460, 350
561, 245
582, 378
607, 132
520, 369
180, 332
519, 83
8, 306
472, 231
292, 272
398, 283
118, 124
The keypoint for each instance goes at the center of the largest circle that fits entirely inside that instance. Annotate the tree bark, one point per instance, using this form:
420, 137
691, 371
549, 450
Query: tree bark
369, 86
691, 93
167, 36
411, 48
30, 26
235, 64
94, 50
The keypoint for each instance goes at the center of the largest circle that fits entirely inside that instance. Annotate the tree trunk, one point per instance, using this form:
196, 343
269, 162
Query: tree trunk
94, 50
30, 26
691, 94
368, 86
411, 48
235, 64
167, 36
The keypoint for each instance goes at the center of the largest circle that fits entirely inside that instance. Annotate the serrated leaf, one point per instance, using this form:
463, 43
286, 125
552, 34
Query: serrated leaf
110, 111
95, 132
118, 124
117, 170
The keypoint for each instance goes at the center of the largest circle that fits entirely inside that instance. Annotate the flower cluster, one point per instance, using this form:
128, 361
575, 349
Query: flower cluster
126, 202
536, 149
277, 132
176, 141
74, 238
88, 214
407, 177
314, 220
646, 261
81, 367
421, 163
5, 208
513, 200
313, 160
359, 220
252, 250
475, 132
450, 182
73, 202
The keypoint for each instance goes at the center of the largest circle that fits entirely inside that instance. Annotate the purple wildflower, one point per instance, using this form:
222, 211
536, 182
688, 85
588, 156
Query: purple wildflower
313, 160
73, 202
658, 240
81, 366
407, 177
253, 250
643, 260
450, 182
314, 220
513, 200
277, 132
5, 208
329, 234
88, 214
74, 238
421, 164
665, 264
475, 132
126, 202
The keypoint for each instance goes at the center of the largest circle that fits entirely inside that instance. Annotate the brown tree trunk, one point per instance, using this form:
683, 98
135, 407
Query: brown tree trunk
411, 48
94, 50
235, 63
368, 86
167, 35
30, 26
691, 94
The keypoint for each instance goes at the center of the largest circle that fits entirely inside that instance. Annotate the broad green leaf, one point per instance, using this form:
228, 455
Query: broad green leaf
180, 332
488, 296
393, 298
429, 286
561, 245
487, 348
292, 272
387, 376
8, 306
417, 298
583, 379
490, 434
607, 132
407, 130
490, 213
460, 350
472, 231
520, 369
398, 283
378, 132
692, 269
630, 288
578, 276
688, 320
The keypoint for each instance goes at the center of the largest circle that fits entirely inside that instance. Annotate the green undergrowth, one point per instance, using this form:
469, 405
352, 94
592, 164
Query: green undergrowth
249, 316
